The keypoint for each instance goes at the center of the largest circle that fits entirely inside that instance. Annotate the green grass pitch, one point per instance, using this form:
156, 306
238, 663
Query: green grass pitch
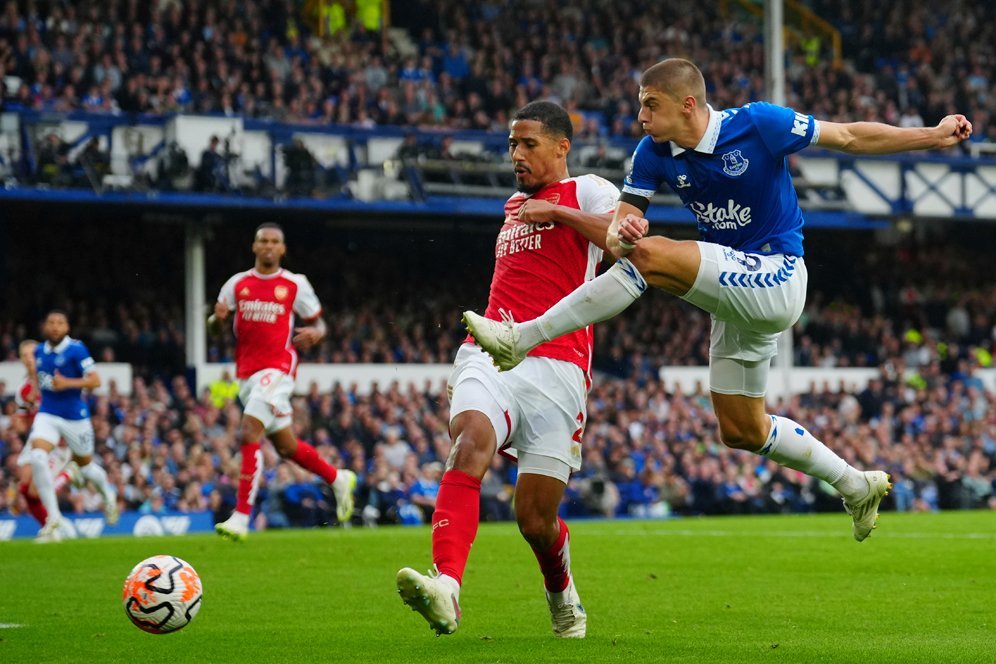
742, 589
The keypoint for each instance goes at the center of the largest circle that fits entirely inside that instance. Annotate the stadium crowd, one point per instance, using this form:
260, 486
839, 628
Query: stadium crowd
455, 65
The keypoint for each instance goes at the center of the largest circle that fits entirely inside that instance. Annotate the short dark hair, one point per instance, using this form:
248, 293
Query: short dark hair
553, 117
58, 312
269, 224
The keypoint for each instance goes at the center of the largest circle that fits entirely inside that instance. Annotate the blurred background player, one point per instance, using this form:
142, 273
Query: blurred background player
550, 243
729, 168
64, 469
63, 369
265, 301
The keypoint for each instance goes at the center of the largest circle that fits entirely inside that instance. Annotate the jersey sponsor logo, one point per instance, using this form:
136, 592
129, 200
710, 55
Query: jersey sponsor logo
520, 237
734, 163
800, 123
683, 182
244, 292
726, 218
280, 292
260, 311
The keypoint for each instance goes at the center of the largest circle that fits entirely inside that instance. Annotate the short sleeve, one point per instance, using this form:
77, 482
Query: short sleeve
644, 177
597, 195
306, 304
227, 294
783, 130
85, 360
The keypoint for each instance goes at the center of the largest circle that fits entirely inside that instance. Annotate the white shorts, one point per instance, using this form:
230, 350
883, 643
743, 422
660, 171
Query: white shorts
752, 299
266, 396
538, 408
78, 434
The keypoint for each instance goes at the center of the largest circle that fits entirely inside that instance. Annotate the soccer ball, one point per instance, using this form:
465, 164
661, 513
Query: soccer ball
162, 594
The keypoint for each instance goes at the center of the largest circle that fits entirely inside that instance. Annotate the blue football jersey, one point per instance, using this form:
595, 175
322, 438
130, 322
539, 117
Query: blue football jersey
71, 359
736, 180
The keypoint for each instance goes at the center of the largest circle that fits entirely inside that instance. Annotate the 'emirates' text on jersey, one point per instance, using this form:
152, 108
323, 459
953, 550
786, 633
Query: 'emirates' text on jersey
264, 307
538, 264
736, 180
72, 360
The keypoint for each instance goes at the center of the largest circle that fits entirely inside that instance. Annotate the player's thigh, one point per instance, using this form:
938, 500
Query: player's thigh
481, 416
671, 265
78, 435
550, 397
266, 396
758, 293
44, 432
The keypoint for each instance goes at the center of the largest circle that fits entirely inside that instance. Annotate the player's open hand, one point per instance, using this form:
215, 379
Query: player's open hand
535, 210
306, 337
953, 129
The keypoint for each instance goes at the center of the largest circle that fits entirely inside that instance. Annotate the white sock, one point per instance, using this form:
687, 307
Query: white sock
791, 445
605, 296
42, 475
96, 476
239, 519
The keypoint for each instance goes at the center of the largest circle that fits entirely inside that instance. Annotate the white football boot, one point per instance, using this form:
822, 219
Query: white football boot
431, 596
499, 339
235, 528
343, 487
51, 531
567, 616
864, 512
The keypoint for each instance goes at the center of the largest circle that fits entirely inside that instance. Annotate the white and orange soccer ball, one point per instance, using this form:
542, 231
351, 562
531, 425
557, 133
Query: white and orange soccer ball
162, 594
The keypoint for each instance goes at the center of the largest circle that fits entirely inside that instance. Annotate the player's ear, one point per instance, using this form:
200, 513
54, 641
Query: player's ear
565, 147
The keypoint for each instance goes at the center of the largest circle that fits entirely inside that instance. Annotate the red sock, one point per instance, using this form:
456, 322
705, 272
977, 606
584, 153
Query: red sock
307, 457
252, 466
35, 506
454, 523
555, 562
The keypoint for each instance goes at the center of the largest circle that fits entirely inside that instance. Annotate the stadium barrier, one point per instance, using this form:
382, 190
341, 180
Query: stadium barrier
135, 524
13, 375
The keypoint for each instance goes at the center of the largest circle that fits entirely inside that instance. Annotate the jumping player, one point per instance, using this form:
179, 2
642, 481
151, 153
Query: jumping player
729, 168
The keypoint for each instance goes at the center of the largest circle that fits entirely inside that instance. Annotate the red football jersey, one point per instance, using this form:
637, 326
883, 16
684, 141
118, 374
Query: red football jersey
538, 264
265, 306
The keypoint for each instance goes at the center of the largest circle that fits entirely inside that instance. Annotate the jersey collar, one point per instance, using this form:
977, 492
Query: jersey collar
260, 275
708, 143
63, 345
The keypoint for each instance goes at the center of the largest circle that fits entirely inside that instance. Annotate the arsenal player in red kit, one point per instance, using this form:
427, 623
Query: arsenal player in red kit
550, 243
265, 301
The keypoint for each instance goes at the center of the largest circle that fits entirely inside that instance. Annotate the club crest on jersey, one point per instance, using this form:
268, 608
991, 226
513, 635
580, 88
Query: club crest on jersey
734, 163
553, 199
280, 292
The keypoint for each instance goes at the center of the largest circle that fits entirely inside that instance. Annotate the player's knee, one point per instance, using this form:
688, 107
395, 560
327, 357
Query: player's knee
742, 437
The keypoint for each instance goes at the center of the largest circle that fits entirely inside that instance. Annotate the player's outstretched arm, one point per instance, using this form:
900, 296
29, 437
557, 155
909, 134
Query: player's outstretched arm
590, 225
879, 138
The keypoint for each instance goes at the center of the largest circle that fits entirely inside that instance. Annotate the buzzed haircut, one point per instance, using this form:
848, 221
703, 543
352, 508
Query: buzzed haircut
676, 77
555, 120
58, 312
268, 225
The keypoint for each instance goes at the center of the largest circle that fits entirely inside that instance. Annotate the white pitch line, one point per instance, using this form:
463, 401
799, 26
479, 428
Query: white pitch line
813, 533
11, 625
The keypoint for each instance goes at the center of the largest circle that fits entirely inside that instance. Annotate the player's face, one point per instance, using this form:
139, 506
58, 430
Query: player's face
538, 158
660, 114
56, 327
269, 247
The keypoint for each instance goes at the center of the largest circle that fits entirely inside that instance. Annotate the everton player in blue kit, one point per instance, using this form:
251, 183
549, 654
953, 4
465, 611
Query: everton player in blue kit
748, 271
63, 369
